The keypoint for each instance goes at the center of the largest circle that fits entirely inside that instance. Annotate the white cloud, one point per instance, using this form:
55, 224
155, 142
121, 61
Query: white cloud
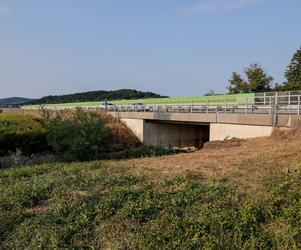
219, 6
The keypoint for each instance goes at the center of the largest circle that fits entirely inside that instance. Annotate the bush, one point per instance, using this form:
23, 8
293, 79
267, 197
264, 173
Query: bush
32, 142
72, 136
22, 132
82, 137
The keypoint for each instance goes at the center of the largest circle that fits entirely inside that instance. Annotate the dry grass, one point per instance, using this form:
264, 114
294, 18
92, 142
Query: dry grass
246, 165
227, 143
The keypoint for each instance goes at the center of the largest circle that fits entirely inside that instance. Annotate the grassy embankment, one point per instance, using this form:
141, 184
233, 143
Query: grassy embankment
184, 100
242, 197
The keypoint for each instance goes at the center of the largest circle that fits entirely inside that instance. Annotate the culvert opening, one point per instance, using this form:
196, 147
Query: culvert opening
174, 134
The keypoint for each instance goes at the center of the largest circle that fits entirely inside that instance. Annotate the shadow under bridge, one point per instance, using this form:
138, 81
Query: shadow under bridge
175, 134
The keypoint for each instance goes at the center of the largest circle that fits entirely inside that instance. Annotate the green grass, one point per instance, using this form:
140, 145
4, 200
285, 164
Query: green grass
106, 205
184, 100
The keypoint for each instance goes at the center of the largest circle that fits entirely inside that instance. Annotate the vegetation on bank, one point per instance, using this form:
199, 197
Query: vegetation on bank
106, 205
73, 136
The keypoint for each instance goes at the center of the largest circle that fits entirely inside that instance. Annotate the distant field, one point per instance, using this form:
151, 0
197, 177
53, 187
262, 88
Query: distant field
201, 100
10, 123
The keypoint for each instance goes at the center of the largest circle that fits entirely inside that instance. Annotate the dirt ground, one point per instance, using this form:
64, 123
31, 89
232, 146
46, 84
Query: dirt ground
247, 164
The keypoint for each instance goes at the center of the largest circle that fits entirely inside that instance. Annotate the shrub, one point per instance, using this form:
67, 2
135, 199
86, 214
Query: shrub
81, 137
22, 132
30, 142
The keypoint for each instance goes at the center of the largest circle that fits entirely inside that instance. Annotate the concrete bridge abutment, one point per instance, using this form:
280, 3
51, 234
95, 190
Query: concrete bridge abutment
159, 133
194, 129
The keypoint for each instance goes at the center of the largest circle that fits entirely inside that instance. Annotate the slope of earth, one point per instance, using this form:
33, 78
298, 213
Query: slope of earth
244, 197
246, 165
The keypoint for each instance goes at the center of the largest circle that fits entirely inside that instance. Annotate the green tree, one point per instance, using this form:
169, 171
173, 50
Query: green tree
237, 84
257, 80
293, 73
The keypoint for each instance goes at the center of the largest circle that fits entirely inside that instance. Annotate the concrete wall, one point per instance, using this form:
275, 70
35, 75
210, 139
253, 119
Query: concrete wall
136, 125
220, 131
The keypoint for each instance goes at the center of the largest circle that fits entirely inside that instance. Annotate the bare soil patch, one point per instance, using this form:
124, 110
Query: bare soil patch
227, 143
40, 208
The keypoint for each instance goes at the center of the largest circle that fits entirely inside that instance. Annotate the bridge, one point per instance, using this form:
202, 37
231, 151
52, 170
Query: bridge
194, 129
192, 124
182, 122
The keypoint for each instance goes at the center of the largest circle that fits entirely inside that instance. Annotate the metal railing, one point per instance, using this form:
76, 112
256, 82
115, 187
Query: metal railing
260, 103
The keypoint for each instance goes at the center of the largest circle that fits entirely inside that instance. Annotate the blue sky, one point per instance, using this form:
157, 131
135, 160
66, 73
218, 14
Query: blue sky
173, 47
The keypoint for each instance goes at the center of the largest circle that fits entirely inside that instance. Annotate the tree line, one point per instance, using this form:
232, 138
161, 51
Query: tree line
96, 96
258, 80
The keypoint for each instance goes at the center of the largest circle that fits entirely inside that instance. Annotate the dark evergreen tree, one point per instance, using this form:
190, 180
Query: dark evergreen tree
293, 73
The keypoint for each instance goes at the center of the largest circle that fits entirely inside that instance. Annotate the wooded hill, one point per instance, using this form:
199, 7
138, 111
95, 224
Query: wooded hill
100, 95
12, 101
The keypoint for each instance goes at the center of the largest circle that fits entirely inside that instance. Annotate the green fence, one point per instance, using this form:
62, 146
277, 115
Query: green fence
231, 99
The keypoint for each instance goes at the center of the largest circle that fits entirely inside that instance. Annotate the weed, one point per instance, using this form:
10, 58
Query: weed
87, 205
